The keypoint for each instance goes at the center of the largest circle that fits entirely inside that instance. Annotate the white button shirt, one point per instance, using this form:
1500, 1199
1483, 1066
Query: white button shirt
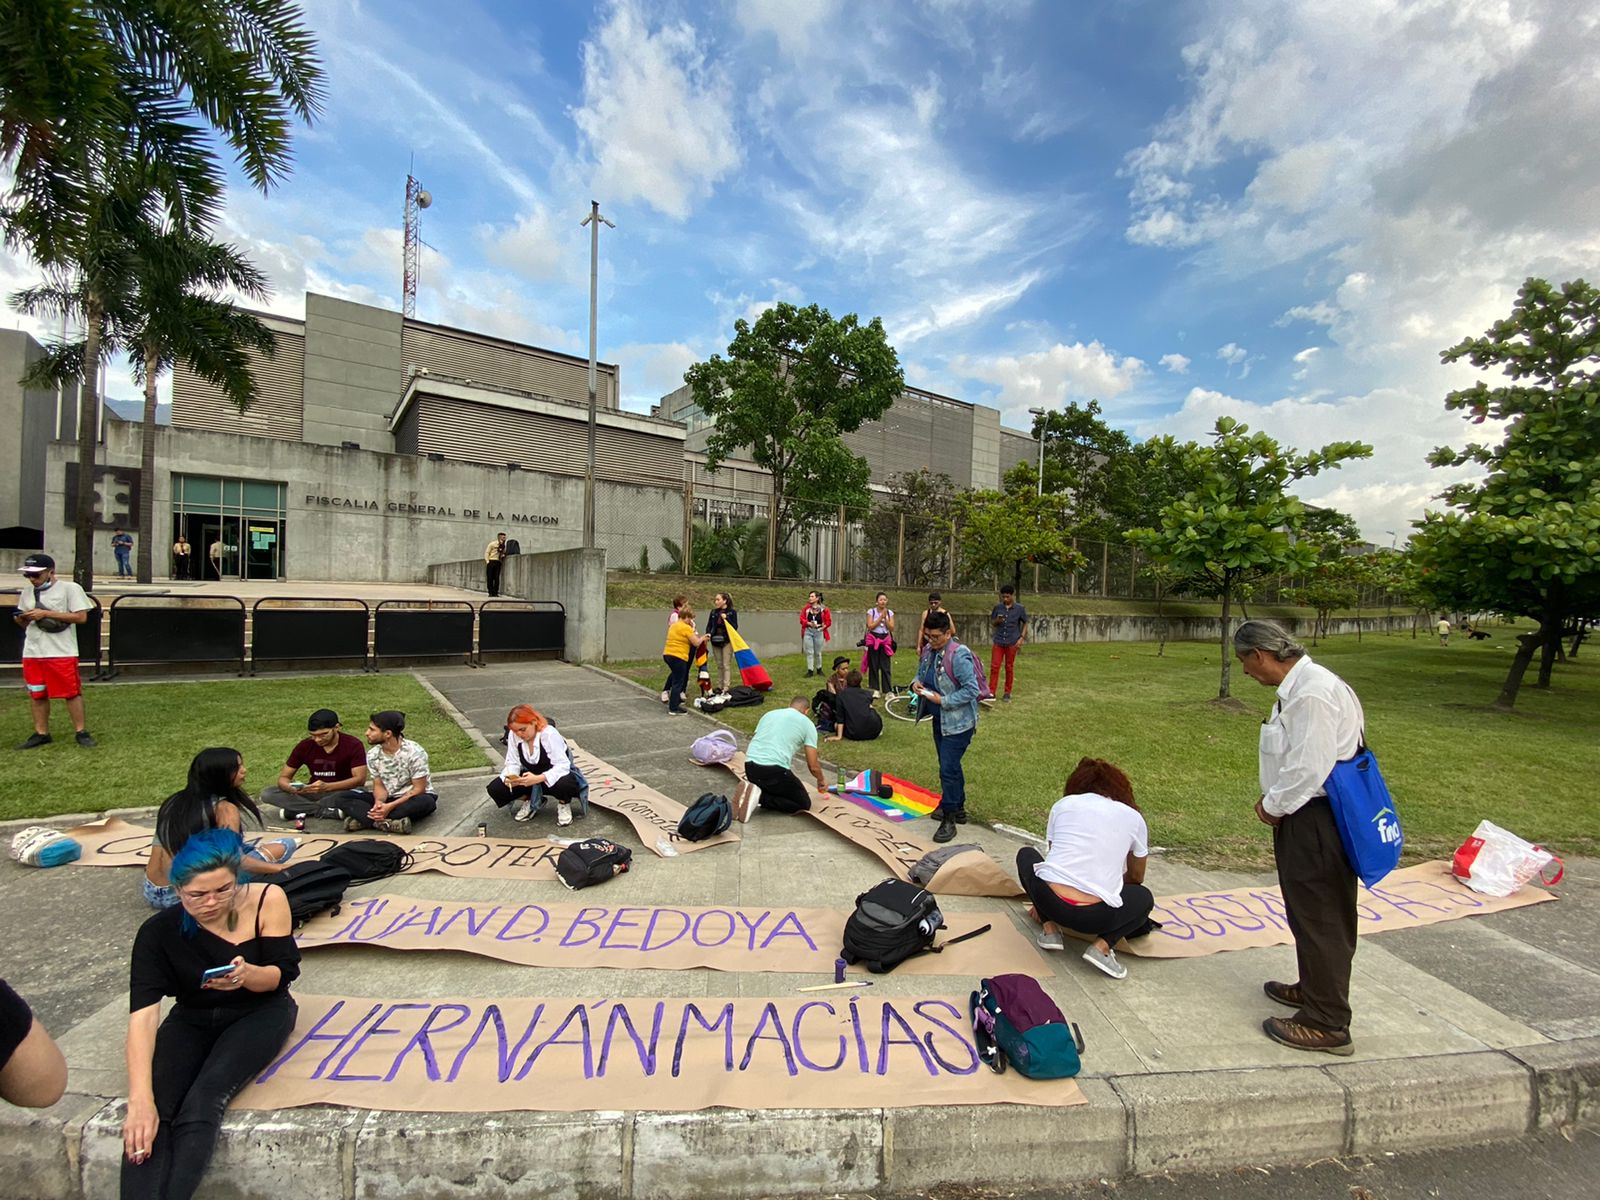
1316, 722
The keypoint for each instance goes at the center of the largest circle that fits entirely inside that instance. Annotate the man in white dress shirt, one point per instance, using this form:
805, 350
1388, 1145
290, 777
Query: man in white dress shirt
1315, 722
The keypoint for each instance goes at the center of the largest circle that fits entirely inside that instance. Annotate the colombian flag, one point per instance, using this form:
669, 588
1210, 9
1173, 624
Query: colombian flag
751, 672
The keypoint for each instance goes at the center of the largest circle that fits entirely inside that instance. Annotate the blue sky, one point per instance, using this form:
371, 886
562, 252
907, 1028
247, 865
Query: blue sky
1277, 211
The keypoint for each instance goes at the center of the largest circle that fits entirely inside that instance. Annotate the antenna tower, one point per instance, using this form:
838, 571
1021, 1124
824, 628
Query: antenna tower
416, 200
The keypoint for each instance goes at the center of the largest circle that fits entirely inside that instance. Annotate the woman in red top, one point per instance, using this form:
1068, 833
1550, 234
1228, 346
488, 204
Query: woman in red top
816, 627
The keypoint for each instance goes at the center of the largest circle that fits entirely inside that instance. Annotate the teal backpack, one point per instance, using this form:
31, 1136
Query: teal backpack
1014, 1021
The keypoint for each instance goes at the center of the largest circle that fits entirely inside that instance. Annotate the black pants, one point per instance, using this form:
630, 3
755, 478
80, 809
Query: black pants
491, 577
503, 793
781, 789
1319, 896
203, 1057
879, 663
1097, 920
677, 681
359, 806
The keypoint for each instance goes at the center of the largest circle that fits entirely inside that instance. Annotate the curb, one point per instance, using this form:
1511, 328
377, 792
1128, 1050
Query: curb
1132, 1125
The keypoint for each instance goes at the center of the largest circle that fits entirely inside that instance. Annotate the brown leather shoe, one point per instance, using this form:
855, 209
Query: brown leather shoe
1304, 1037
1283, 993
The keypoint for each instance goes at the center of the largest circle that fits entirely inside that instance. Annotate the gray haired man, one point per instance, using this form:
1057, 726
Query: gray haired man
1315, 721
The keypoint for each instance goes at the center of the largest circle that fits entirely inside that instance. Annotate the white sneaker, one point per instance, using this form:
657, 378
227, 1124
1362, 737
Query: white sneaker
665, 698
1106, 962
524, 812
745, 796
563, 813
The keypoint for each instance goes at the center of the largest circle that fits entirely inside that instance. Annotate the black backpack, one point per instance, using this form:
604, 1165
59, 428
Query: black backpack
706, 817
592, 861
892, 922
313, 887
738, 697
367, 860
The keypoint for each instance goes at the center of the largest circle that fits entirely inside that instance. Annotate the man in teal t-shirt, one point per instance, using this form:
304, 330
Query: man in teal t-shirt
778, 737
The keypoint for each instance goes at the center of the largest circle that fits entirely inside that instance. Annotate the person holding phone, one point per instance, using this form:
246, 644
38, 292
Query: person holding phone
879, 643
336, 763
213, 798
227, 955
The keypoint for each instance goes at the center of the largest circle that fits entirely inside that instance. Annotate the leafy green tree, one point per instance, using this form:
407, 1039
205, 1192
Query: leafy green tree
107, 114
791, 384
730, 550
170, 309
1525, 538
923, 505
1238, 524
1000, 531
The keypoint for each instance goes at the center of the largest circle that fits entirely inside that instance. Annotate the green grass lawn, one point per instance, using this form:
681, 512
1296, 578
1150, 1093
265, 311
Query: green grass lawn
1448, 759
149, 732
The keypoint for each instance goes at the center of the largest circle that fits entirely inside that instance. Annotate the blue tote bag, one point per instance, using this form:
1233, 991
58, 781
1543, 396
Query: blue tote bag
1369, 827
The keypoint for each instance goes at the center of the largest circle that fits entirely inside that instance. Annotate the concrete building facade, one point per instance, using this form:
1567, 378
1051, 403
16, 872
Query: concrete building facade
378, 445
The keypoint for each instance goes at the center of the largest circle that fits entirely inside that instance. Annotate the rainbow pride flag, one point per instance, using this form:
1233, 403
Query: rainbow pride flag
906, 801
751, 672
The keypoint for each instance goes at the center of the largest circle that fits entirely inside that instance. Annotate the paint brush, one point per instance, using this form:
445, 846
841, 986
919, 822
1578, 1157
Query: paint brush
828, 987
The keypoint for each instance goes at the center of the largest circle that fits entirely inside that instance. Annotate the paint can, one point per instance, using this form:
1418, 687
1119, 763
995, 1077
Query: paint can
483, 829
838, 970
300, 823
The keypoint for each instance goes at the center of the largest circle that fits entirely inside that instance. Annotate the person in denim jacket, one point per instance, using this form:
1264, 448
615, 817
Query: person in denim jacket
953, 704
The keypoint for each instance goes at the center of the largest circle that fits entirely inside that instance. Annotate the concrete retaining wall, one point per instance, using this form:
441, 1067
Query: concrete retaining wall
575, 578
1132, 1125
638, 633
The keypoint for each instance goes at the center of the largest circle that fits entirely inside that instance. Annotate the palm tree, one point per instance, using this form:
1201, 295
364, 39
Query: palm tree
104, 108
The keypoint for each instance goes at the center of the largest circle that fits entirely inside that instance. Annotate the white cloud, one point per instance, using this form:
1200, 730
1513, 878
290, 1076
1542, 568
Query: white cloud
1178, 364
537, 248
1233, 354
795, 27
657, 116
951, 311
1050, 377
1305, 358
1384, 492
650, 370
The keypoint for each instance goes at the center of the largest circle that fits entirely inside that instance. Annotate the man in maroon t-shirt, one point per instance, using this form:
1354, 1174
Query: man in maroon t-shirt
337, 764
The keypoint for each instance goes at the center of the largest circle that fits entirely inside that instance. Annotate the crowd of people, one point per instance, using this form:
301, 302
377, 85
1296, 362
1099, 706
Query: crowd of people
220, 945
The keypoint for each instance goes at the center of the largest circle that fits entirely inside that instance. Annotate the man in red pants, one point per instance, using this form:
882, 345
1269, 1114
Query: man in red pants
1010, 621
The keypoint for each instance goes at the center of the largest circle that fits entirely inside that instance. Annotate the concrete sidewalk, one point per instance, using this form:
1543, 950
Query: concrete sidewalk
1467, 1031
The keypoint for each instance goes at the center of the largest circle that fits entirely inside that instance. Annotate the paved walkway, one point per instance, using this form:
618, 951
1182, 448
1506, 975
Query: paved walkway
1467, 1031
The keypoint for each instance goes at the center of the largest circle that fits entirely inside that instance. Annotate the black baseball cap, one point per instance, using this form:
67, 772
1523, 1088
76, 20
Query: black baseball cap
323, 718
38, 562
841, 659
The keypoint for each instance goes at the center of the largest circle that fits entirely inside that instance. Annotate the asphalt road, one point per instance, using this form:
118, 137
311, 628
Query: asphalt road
1549, 1167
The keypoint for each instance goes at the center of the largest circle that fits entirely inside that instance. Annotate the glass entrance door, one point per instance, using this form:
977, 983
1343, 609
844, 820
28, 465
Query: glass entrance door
262, 548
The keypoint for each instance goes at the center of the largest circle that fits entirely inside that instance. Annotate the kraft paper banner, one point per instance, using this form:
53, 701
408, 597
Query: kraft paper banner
668, 938
113, 842
1210, 922
653, 816
971, 874
838, 1050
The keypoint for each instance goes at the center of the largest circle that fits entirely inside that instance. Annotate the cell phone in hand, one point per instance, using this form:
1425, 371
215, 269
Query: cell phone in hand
213, 973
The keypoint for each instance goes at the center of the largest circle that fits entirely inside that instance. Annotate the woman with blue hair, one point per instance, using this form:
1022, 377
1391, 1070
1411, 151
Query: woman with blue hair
213, 798
226, 954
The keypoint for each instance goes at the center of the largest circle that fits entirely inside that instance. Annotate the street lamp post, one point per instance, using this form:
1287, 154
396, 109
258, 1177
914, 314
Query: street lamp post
1040, 413
593, 221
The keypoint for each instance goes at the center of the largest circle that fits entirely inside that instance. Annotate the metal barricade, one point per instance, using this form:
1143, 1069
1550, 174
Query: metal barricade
521, 627
302, 628
422, 629
175, 629
88, 632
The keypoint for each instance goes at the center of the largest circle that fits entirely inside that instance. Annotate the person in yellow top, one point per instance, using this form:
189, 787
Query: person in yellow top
1444, 631
494, 556
682, 642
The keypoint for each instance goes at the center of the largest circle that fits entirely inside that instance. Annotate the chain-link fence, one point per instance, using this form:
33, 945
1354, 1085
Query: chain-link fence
712, 530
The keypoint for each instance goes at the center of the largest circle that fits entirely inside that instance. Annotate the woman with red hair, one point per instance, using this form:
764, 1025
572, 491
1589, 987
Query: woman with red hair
536, 756
1091, 877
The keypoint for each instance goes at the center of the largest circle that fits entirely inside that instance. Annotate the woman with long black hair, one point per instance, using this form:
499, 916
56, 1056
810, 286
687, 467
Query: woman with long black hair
226, 955
213, 798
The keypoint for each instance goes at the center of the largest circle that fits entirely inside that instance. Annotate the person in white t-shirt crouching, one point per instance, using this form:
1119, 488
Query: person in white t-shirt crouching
1091, 877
